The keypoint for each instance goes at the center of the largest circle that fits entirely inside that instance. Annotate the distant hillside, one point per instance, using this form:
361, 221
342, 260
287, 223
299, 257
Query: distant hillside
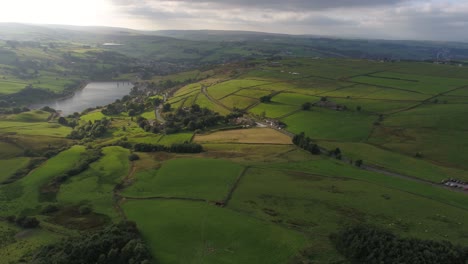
215, 46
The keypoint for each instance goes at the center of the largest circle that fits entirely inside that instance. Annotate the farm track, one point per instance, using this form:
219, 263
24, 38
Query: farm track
157, 113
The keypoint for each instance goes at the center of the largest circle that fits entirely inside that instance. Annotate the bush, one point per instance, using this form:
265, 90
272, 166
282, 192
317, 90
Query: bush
133, 157
24, 221
50, 209
85, 210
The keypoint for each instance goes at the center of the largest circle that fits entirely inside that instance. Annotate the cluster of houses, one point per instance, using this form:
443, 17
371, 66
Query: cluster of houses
453, 183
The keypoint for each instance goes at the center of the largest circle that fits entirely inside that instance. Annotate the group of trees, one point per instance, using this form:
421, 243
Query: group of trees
175, 148
24, 221
116, 244
191, 119
90, 129
124, 105
364, 244
306, 143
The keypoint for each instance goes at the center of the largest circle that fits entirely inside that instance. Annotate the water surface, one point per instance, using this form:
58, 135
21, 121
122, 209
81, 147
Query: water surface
94, 94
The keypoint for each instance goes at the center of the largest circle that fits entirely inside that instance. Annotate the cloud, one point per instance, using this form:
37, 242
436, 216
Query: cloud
393, 19
274, 4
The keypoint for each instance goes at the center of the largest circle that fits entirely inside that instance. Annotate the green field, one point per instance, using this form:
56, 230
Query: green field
393, 161
273, 110
202, 233
23, 195
251, 195
11, 86
207, 179
31, 116
240, 102
34, 129
223, 89
420, 84
10, 166
95, 186
8, 150
320, 197
328, 124
168, 140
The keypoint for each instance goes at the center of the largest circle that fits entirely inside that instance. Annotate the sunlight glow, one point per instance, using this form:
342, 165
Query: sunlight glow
83, 12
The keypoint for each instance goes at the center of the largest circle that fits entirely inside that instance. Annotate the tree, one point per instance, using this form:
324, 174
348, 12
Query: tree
63, 121
358, 163
166, 107
133, 157
265, 99
358, 108
306, 106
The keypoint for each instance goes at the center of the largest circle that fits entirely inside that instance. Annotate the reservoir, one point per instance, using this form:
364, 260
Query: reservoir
94, 94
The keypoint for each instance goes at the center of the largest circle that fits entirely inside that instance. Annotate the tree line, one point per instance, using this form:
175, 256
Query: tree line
370, 245
116, 244
175, 148
306, 143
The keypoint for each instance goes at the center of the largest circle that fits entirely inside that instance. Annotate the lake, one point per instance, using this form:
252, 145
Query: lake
94, 94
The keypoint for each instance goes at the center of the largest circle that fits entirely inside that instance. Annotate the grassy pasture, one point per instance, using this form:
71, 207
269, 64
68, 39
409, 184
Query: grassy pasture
317, 205
208, 179
431, 69
254, 93
397, 162
11, 86
23, 195
35, 129
168, 140
149, 138
294, 99
235, 101
446, 147
361, 91
93, 116
203, 233
434, 116
451, 99
273, 110
30, 116
17, 243
203, 101
188, 89
421, 84
460, 92
322, 123
374, 106
149, 114
10, 166
333, 168
95, 186
8, 150
223, 89
254, 154
246, 136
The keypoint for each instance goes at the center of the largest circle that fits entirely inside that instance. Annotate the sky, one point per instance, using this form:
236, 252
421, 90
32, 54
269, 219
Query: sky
384, 19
